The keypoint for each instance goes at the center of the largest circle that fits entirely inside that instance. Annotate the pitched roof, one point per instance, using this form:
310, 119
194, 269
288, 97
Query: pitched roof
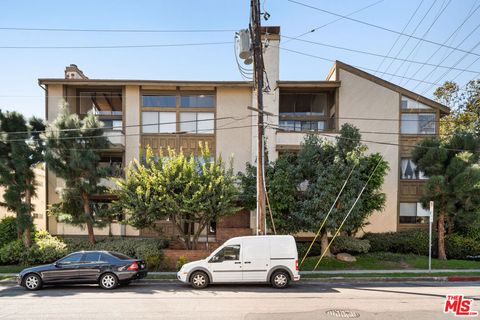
389, 85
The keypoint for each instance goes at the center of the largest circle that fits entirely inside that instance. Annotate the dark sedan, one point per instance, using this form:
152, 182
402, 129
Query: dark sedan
108, 269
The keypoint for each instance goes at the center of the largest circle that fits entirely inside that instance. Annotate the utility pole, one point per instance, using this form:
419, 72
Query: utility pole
255, 35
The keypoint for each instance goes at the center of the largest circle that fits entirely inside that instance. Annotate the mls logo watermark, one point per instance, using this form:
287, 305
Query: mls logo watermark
459, 306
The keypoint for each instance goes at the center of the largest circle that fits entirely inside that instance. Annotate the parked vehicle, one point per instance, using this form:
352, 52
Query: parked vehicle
252, 259
108, 269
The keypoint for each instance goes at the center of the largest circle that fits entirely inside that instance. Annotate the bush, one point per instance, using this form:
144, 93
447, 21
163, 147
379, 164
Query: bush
12, 252
8, 230
350, 245
180, 262
459, 247
411, 241
44, 249
302, 248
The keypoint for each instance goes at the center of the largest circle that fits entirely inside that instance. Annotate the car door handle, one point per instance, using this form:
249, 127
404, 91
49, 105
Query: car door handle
237, 262
248, 262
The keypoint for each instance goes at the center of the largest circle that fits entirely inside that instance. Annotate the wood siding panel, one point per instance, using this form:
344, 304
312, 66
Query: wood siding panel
410, 191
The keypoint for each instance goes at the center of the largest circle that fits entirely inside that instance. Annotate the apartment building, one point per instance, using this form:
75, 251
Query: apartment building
181, 114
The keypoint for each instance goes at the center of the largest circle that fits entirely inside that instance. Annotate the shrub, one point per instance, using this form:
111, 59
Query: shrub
180, 262
12, 252
411, 241
459, 247
350, 245
302, 248
8, 230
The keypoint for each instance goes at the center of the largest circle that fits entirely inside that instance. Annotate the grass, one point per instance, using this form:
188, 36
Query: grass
390, 275
11, 269
387, 261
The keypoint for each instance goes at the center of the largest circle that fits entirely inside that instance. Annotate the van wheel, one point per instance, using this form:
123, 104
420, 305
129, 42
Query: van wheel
280, 279
199, 280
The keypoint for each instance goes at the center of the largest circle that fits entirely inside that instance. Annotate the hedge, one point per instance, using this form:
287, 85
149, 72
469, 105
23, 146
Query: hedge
8, 230
340, 244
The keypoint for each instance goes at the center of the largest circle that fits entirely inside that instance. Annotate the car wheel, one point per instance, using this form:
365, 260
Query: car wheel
280, 279
108, 281
32, 281
199, 280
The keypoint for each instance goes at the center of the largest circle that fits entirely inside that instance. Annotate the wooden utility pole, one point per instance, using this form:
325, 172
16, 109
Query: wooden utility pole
255, 35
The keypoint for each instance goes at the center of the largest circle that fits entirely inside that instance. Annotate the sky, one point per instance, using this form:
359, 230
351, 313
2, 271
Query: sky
434, 20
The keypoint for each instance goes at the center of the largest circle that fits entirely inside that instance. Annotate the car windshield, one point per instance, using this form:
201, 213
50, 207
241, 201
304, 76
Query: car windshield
120, 256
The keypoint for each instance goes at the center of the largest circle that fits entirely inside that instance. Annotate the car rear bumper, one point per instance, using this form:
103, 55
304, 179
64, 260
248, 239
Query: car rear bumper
132, 275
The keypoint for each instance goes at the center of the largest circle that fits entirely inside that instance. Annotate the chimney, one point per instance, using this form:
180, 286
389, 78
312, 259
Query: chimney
72, 72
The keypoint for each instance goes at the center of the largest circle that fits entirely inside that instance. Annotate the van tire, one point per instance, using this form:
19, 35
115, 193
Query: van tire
199, 280
280, 279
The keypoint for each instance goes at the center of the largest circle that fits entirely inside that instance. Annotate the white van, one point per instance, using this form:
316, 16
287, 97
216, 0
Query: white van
252, 259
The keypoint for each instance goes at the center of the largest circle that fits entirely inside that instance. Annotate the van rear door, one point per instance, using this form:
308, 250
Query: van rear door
256, 259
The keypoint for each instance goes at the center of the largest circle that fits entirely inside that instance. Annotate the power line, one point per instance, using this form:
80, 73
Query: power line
384, 28
377, 55
360, 67
419, 43
117, 30
333, 21
398, 37
470, 14
410, 35
119, 46
276, 127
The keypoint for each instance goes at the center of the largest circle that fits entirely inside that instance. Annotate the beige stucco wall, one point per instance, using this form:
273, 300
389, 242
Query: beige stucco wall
132, 118
235, 142
361, 98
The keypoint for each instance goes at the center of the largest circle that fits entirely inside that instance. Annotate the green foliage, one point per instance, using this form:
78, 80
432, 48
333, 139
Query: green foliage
45, 249
453, 168
411, 241
180, 262
72, 154
8, 230
20, 151
350, 245
185, 189
302, 188
460, 247
12, 252
464, 105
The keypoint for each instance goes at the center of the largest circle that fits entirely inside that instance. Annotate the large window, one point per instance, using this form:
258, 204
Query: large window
418, 123
409, 170
228, 253
197, 122
408, 103
413, 212
306, 111
159, 122
161, 101
194, 112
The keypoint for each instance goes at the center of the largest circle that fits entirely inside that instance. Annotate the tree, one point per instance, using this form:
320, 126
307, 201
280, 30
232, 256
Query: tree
189, 191
72, 153
302, 188
20, 151
454, 179
464, 105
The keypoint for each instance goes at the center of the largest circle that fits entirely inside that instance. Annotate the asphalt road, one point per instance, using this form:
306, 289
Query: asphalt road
172, 300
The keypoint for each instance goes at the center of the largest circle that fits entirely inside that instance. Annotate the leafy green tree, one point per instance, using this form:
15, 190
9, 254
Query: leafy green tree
72, 153
454, 179
21, 150
189, 191
302, 188
464, 105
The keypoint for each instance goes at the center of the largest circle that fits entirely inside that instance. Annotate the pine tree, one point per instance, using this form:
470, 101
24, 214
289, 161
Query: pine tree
72, 153
20, 151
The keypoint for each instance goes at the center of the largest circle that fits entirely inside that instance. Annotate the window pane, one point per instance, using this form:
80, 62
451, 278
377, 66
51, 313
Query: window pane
303, 104
408, 209
150, 122
287, 104
120, 255
205, 122
319, 104
188, 122
409, 123
76, 257
426, 123
422, 212
410, 171
287, 125
231, 253
408, 103
167, 101
197, 101
91, 257
168, 122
